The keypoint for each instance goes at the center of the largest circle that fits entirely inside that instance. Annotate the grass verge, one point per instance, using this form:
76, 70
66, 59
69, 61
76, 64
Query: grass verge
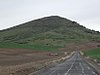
94, 53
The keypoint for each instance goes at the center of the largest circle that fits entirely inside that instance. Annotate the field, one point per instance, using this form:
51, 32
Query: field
13, 60
25, 58
21, 56
12, 54
94, 53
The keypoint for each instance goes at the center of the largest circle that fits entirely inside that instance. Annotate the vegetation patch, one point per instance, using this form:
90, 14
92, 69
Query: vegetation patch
94, 53
28, 46
48, 33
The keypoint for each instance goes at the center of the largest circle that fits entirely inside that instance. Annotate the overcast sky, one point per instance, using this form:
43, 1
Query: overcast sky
85, 12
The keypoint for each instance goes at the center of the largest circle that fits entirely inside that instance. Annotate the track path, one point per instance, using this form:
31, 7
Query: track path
75, 65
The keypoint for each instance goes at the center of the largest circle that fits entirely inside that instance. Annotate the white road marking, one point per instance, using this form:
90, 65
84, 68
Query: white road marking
82, 67
58, 74
70, 68
52, 72
93, 72
88, 68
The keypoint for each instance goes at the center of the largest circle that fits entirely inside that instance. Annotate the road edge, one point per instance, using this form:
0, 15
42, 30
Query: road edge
91, 63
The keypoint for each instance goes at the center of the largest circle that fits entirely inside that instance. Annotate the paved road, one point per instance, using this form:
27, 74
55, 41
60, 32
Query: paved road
73, 66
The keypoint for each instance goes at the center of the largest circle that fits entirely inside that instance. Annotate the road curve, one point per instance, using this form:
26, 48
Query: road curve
73, 66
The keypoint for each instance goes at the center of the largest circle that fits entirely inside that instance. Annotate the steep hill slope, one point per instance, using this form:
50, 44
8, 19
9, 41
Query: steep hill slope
49, 32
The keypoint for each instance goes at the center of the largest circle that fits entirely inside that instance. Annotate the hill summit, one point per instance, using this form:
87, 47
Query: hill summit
48, 31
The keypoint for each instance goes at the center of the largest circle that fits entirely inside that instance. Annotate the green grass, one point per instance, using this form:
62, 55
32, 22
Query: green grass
94, 53
28, 46
49, 33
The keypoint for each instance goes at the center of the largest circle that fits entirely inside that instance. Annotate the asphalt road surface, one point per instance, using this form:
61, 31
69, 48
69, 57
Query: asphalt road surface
73, 66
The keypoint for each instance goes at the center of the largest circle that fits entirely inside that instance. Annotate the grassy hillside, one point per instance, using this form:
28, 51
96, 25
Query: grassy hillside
48, 33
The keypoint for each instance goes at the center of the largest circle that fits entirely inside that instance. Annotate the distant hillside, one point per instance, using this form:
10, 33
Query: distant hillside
53, 31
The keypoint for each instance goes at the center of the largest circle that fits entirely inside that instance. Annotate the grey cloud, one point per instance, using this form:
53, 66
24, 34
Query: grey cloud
14, 12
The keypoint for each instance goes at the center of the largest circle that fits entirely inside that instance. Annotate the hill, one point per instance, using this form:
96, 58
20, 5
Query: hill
47, 33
